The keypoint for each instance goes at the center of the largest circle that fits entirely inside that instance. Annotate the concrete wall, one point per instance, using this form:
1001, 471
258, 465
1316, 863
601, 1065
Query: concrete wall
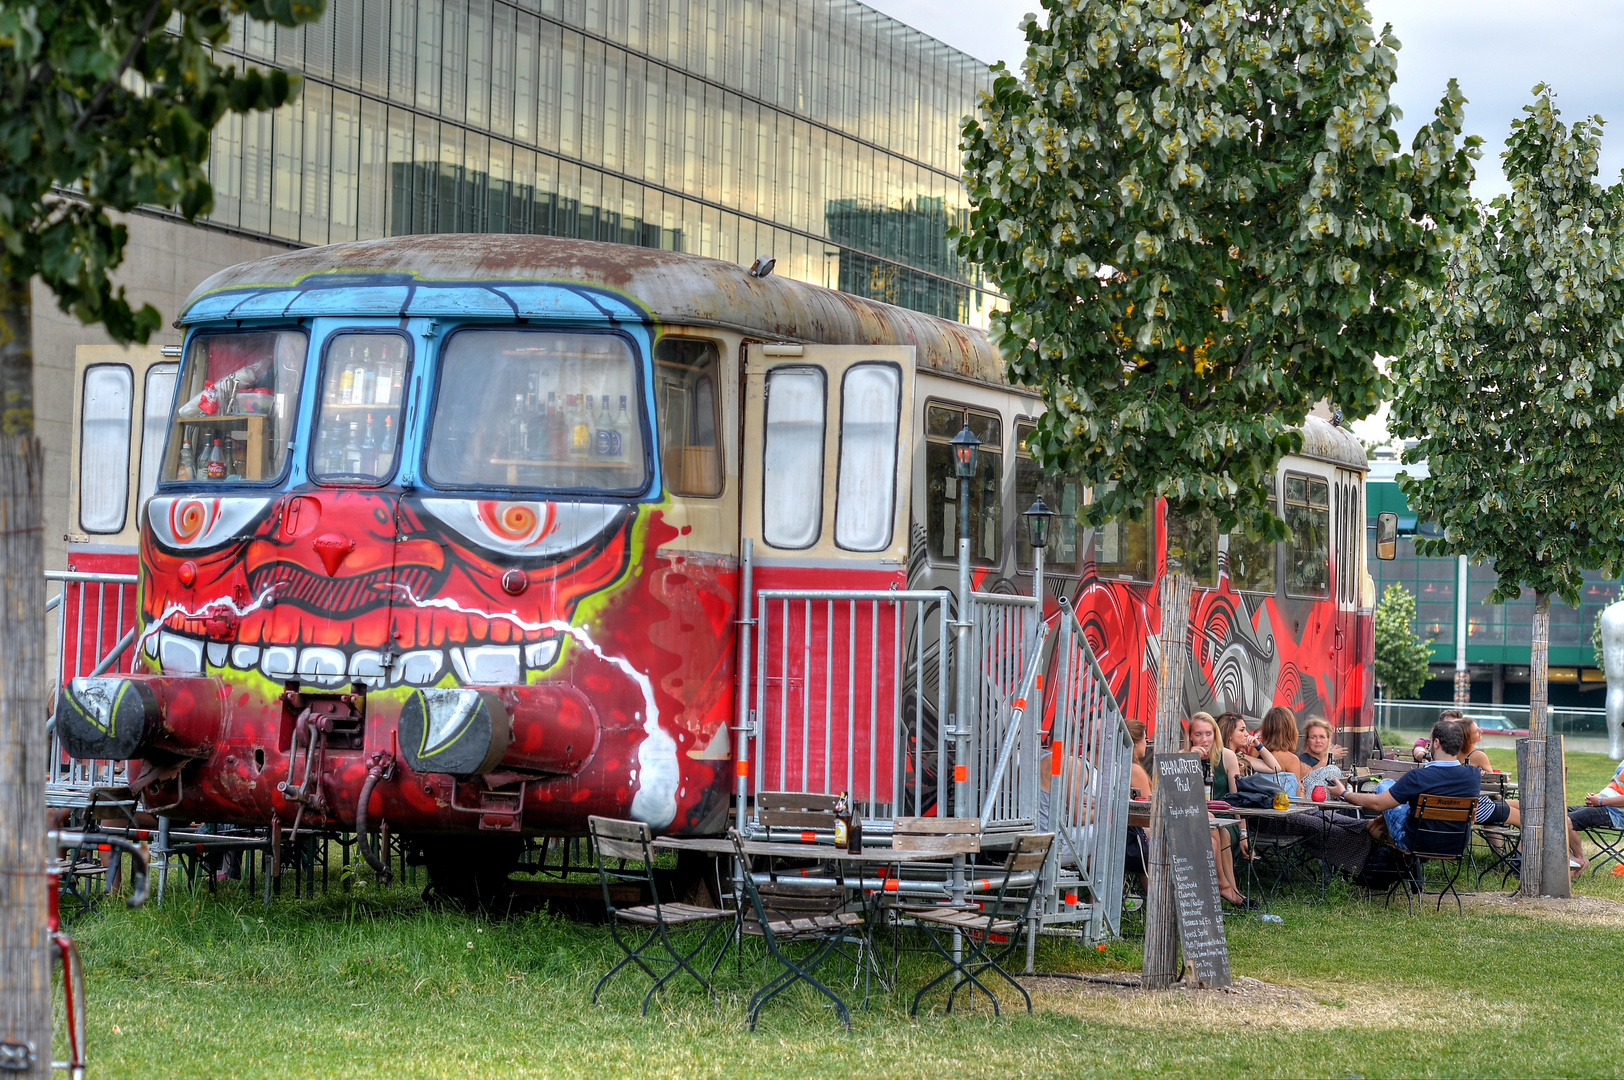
164, 260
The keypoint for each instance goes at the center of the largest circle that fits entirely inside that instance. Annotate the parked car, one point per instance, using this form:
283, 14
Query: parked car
1497, 725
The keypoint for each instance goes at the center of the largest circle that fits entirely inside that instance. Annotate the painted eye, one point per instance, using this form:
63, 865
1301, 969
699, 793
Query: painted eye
526, 528
194, 524
517, 523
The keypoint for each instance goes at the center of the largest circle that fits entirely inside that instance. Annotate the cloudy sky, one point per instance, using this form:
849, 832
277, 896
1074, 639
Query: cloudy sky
1498, 49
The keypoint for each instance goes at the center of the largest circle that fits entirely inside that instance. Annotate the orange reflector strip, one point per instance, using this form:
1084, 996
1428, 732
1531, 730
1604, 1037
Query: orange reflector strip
983, 884
1020, 703
741, 768
1040, 680
808, 837
1059, 756
961, 773
891, 884
1071, 898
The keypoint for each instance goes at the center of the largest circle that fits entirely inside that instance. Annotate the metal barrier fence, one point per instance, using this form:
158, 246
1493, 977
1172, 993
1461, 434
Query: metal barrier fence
1003, 636
832, 709
95, 633
1420, 715
1090, 769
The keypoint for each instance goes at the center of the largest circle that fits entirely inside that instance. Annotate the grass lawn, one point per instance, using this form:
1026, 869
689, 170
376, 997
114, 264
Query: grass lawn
375, 983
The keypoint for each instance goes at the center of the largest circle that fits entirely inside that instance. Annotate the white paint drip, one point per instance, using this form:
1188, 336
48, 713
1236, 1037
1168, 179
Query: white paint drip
213, 607
656, 800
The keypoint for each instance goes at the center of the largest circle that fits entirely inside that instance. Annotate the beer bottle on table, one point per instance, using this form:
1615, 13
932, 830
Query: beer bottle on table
842, 821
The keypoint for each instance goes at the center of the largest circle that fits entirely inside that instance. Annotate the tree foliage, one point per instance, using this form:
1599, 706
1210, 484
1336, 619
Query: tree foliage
1204, 224
1514, 385
115, 99
1401, 655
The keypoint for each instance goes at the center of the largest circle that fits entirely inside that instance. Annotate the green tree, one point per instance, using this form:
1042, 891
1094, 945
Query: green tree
105, 105
1401, 655
1514, 389
1204, 224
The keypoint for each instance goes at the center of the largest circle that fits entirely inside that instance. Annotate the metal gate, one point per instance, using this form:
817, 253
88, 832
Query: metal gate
95, 633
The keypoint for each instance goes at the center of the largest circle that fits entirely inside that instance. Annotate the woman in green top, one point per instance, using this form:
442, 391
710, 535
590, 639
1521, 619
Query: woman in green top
1203, 735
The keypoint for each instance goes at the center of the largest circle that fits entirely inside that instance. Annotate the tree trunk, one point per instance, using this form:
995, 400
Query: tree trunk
1542, 823
25, 972
1161, 920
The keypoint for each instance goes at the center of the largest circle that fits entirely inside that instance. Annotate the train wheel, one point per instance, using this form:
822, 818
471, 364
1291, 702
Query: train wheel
470, 872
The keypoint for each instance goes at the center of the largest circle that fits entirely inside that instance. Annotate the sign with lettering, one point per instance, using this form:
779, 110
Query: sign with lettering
1195, 874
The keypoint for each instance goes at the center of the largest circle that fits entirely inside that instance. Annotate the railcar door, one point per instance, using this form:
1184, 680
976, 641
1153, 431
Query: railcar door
827, 430
1351, 644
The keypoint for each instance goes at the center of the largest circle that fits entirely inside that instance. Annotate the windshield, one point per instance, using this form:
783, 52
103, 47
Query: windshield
234, 413
358, 412
538, 409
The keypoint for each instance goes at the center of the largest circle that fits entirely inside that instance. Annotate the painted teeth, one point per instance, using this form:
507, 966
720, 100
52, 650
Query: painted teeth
323, 665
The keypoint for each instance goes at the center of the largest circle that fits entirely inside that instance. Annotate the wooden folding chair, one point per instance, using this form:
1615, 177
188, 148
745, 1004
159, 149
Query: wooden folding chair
999, 917
629, 841
797, 816
791, 912
1439, 828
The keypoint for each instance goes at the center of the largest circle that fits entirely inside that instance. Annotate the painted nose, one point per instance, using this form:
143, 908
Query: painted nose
332, 548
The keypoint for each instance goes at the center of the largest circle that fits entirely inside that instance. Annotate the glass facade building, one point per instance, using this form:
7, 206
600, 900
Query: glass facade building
819, 131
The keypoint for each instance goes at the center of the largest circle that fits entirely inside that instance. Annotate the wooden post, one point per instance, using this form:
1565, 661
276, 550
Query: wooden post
1542, 823
25, 972
1161, 920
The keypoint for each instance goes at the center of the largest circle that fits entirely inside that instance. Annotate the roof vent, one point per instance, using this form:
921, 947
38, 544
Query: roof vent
762, 266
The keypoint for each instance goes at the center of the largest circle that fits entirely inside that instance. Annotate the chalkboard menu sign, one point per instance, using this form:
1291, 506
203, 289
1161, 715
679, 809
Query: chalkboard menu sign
1195, 875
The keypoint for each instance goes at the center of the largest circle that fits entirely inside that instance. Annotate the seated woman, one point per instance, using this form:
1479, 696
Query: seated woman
1204, 740
1135, 854
1250, 755
1279, 736
1490, 811
1319, 744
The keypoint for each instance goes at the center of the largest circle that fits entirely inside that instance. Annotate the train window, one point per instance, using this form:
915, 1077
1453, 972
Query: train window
942, 422
104, 448
689, 408
1308, 515
1192, 546
538, 409
1252, 562
363, 387
238, 400
792, 453
1063, 494
156, 399
866, 492
1122, 548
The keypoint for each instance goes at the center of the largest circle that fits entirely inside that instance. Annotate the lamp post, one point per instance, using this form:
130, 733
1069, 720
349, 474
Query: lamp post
1038, 516
965, 446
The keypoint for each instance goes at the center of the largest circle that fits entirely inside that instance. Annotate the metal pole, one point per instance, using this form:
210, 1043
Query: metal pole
742, 715
1463, 677
961, 722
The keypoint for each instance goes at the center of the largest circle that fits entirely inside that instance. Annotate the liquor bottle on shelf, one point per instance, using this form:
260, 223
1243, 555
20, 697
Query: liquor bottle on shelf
352, 450
346, 383
366, 378
386, 450
397, 383
231, 459
623, 431
516, 429
381, 391
369, 450
335, 450
580, 429
186, 468
603, 438
557, 439
217, 462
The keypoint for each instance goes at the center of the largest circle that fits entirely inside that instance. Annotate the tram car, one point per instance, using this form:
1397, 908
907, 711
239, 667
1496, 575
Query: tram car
448, 531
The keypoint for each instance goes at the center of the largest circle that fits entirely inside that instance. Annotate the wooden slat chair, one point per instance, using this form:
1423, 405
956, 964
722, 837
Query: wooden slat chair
658, 921
1439, 828
1002, 915
804, 816
1503, 841
789, 912
1609, 841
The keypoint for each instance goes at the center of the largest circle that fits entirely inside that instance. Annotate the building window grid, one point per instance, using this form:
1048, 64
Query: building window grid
324, 133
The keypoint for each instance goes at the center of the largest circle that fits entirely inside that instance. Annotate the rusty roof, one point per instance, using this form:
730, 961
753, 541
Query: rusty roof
673, 287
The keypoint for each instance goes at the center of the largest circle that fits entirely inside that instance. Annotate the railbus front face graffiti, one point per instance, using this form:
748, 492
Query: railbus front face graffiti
456, 524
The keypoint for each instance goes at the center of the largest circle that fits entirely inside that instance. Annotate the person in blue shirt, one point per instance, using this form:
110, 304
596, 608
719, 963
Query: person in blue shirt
1443, 775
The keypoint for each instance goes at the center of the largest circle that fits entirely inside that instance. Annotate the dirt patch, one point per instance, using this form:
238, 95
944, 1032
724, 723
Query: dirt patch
1581, 909
1118, 998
